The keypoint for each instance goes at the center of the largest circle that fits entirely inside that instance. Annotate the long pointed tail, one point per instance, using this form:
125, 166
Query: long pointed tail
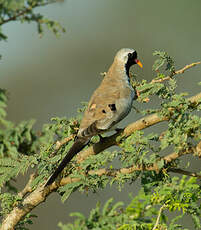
78, 145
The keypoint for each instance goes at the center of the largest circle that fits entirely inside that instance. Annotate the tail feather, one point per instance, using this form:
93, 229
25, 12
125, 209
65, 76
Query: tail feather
78, 145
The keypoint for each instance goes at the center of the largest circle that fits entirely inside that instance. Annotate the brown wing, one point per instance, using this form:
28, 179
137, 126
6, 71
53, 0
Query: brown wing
101, 107
108, 105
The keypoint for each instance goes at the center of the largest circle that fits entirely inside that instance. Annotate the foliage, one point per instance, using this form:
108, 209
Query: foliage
22, 148
178, 196
164, 59
24, 11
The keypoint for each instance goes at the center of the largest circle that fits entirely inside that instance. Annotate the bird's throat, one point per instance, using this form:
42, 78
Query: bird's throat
127, 70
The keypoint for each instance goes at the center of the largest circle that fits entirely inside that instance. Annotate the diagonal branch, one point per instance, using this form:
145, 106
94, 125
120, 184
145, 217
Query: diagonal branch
41, 193
142, 123
128, 170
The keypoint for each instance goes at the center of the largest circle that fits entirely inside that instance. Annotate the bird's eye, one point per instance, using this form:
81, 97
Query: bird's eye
129, 55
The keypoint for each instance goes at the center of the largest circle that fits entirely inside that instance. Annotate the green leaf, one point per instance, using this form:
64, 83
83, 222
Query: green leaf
158, 63
160, 164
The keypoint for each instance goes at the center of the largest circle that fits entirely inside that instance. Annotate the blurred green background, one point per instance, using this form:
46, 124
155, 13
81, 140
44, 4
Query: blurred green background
48, 77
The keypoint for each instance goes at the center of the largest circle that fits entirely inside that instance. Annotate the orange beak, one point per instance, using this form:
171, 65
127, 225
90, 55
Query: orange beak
139, 63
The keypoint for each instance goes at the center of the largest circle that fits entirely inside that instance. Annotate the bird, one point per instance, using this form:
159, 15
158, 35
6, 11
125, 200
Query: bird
109, 104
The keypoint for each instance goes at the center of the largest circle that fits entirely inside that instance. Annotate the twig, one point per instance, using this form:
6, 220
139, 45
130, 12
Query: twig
26, 10
176, 72
158, 217
61, 143
27, 188
184, 172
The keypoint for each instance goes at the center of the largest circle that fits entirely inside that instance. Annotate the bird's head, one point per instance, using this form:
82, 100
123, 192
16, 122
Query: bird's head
128, 57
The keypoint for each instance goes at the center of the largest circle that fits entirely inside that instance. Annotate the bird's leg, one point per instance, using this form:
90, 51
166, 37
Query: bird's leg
75, 138
118, 130
101, 138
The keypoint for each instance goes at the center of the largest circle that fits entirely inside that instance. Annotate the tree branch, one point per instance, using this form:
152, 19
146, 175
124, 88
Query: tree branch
176, 72
34, 199
128, 170
27, 188
41, 193
142, 123
61, 143
25, 11
184, 172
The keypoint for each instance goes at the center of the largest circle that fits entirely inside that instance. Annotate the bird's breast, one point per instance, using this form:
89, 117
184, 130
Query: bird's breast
124, 103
